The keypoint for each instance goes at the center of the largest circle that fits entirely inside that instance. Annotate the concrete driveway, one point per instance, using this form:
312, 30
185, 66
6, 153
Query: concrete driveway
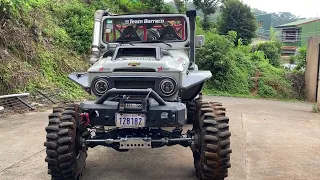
271, 140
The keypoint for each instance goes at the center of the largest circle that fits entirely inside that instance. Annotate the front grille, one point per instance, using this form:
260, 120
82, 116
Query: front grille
134, 84
134, 70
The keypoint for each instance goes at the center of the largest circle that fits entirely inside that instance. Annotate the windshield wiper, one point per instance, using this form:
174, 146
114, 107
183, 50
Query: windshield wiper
157, 41
127, 41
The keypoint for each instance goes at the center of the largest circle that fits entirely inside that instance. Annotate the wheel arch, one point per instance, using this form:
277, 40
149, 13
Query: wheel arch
192, 84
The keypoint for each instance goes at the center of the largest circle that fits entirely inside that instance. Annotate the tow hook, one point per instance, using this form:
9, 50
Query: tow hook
84, 117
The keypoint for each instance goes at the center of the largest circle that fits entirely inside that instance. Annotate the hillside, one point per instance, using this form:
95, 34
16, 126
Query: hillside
279, 18
35, 51
41, 41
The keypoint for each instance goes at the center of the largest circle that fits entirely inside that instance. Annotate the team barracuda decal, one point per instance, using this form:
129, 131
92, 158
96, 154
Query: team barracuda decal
145, 21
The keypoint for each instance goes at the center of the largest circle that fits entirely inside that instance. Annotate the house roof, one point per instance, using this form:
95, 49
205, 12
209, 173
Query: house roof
298, 23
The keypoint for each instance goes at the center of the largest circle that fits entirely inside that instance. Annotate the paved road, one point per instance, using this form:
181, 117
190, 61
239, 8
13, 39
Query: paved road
271, 140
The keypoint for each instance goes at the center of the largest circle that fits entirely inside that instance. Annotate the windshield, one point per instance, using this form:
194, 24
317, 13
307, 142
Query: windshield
169, 29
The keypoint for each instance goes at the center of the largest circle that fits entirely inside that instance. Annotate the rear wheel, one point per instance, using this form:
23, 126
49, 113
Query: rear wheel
65, 153
211, 149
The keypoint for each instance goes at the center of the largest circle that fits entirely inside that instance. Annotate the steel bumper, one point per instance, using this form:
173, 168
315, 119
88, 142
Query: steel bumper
158, 112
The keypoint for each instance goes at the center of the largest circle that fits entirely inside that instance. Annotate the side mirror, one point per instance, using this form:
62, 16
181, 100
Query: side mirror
199, 41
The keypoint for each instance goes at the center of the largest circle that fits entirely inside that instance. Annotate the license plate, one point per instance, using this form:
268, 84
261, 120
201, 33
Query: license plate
130, 120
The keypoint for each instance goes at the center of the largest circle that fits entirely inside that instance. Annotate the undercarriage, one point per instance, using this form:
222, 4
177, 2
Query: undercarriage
142, 138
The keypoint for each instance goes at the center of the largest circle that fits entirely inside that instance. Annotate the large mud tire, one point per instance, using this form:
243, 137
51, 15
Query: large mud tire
211, 150
65, 155
191, 109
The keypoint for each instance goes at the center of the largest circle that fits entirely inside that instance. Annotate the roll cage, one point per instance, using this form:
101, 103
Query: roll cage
138, 28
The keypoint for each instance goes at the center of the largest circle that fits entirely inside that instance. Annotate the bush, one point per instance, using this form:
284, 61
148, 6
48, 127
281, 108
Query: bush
239, 78
301, 58
297, 80
272, 51
215, 57
273, 81
239, 70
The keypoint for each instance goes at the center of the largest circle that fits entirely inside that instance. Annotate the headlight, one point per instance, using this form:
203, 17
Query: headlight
100, 86
167, 86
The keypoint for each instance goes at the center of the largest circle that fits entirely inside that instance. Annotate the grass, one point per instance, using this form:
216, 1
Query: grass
211, 92
315, 108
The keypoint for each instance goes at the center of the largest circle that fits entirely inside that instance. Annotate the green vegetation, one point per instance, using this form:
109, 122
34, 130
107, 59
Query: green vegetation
41, 41
208, 7
244, 71
37, 51
272, 50
238, 17
300, 58
180, 5
315, 108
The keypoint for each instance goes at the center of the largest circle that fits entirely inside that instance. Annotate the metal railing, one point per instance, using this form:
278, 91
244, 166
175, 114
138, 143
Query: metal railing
24, 102
15, 103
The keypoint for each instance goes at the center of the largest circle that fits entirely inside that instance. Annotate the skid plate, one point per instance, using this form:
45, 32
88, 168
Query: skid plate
135, 143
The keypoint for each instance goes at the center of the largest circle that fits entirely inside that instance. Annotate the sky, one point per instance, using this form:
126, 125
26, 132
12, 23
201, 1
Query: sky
304, 8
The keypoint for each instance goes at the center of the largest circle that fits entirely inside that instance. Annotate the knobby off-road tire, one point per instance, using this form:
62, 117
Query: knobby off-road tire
65, 155
191, 109
211, 150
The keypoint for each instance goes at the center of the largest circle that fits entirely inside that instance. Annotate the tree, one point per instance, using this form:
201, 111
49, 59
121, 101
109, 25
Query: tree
180, 4
208, 7
156, 6
142, 6
237, 17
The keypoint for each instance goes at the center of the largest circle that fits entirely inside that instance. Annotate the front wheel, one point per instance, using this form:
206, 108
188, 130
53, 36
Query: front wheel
211, 149
66, 154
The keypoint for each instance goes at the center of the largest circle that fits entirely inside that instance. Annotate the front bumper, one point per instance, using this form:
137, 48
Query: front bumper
158, 112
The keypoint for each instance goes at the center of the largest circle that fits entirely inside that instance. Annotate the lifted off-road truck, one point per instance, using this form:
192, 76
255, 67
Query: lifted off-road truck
147, 87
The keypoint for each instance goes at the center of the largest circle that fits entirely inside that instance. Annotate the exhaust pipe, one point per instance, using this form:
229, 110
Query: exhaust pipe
191, 14
97, 35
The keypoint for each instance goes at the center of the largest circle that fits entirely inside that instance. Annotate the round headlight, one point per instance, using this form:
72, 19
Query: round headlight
101, 86
167, 86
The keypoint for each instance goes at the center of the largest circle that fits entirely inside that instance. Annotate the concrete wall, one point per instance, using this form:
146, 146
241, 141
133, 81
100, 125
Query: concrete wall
312, 69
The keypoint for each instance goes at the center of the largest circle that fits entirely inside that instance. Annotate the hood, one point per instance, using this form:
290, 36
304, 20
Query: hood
157, 60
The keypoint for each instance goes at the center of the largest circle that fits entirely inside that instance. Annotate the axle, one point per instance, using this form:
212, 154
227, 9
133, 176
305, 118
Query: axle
162, 140
139, 142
